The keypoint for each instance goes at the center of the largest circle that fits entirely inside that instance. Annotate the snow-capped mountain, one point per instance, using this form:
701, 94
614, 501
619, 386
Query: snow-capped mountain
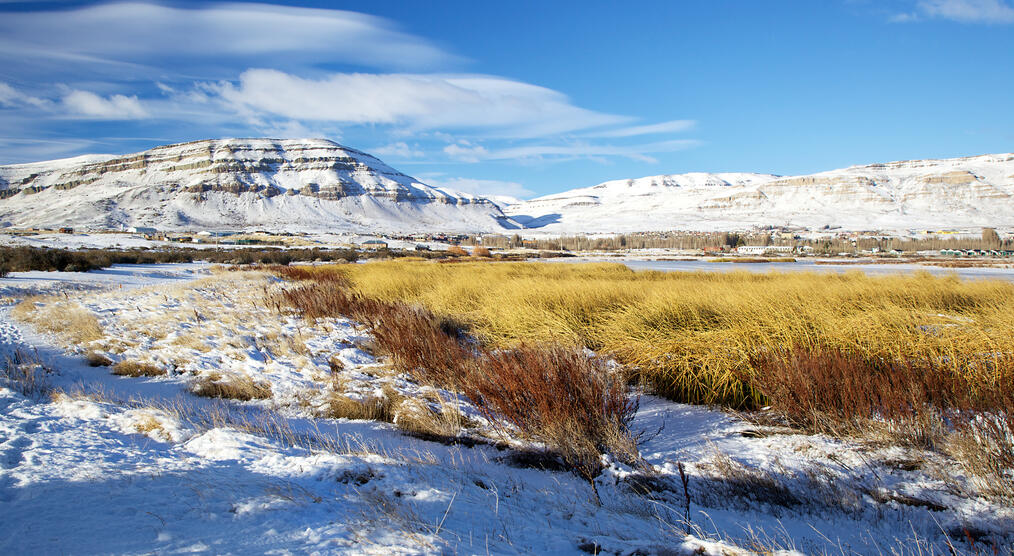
292, 185
953, 193
318, 185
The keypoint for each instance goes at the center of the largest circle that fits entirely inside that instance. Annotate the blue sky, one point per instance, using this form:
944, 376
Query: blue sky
522, 98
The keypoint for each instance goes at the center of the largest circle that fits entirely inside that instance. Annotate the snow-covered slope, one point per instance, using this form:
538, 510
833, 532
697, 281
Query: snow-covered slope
318, 185
310, 184
958, 192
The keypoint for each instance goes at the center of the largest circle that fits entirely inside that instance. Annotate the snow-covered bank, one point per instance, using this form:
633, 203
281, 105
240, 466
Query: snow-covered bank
37, 282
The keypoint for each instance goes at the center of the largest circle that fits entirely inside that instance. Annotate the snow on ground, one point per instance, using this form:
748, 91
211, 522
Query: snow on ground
37, 282
129, 465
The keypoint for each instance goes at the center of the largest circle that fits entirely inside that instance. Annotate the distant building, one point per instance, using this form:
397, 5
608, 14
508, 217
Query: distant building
763, 249
374, 244
66, 230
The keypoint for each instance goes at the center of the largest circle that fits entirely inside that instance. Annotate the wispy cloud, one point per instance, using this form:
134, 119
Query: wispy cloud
238, 68
583, 150
466, 152
11, 97
212, 34
416, 101
965, 11
673, 126
398, 149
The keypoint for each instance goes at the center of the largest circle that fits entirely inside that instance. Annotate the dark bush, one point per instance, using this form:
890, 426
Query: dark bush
21, 259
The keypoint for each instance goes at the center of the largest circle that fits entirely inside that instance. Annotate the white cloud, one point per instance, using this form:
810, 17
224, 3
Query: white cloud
399, 149
466, 152
115, 107
185, 67
420, 102
9, 97
673, 126
484, 188
120, 33
965, 11
581, 150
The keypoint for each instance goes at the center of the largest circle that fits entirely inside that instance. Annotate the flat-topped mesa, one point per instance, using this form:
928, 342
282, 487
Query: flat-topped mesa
974, 191
189, 176
267, 167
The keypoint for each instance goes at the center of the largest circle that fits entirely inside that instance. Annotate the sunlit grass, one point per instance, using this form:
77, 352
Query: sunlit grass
692, 335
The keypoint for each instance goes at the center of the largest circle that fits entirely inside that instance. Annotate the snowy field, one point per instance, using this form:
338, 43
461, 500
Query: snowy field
100, 463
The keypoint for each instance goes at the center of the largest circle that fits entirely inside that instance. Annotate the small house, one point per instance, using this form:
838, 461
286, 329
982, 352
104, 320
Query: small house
374, 244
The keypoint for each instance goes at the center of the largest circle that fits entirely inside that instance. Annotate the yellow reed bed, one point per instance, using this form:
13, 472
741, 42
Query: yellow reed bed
691, 334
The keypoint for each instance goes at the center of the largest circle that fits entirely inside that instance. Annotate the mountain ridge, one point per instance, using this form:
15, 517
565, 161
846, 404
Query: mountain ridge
311, 184
320, 185
971, 191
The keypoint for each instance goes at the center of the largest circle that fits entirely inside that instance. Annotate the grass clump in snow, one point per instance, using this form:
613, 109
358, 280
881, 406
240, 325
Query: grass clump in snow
370, 407
25, 373
66, 319
235, 387
138, 369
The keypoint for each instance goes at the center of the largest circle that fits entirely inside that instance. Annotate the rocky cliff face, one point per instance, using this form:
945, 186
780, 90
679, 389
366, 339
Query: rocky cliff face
310, 184
930, 194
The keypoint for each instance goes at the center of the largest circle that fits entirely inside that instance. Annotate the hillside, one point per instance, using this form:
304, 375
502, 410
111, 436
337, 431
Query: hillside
931, 194
291, 185
319, 185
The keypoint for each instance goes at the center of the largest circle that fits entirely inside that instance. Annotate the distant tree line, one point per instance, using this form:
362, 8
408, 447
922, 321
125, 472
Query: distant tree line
990, 239
20, 259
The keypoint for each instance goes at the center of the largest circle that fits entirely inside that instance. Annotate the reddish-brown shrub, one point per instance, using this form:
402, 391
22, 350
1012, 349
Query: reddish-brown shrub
574, 404
571, 402
840, 393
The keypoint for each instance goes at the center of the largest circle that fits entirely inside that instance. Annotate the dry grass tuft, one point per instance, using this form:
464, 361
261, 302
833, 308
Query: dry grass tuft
984, 445
445, 422
150, 426
367, 408
138, 369
66, 319
25, 373
235, 387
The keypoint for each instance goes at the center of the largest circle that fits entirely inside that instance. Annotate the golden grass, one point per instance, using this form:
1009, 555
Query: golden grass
138, 369
691, 335
233, 387
66, 319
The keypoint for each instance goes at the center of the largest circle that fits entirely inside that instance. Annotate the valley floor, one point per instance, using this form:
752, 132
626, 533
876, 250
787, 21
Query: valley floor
91, 462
